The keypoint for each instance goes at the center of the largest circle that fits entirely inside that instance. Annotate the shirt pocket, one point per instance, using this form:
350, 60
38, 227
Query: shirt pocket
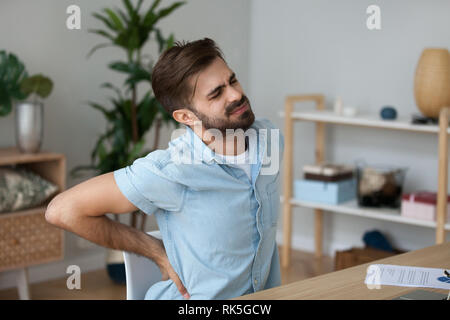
273, 198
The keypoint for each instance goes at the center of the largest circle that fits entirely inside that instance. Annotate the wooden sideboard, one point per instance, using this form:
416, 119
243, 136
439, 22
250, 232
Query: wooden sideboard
26, 238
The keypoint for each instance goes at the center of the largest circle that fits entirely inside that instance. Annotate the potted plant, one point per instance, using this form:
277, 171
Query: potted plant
129, 117
15, 88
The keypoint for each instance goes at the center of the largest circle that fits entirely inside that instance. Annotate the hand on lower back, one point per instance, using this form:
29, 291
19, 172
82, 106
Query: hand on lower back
168, 272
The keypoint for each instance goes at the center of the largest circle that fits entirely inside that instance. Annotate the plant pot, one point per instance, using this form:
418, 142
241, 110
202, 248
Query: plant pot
432, 81
115, 266
29, 126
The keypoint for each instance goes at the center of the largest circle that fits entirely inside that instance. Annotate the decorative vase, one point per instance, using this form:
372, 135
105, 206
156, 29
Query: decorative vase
29, 126
432, 81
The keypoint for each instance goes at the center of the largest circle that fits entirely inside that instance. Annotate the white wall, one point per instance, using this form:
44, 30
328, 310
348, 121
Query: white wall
36, 31
324, 46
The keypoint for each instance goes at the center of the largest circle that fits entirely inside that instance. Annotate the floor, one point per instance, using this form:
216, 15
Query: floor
96, 285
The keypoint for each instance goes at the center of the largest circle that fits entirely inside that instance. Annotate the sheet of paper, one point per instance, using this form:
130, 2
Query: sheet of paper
404, 276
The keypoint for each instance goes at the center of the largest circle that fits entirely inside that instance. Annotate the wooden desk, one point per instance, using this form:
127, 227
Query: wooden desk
348, 284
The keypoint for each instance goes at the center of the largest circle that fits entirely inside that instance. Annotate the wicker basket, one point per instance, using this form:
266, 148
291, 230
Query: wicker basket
357, 256
26, 238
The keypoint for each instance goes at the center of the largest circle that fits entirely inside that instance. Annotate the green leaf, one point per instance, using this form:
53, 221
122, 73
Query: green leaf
109, 85
99, 46
122, 109
105, 20
133, 39
107, 113
121, 66
138, 76
101, 151
154, 5
16, 93
170, 41
135, 151
146, 113
16, 72
160, 39
99, 141
38, 84
166, 11
5, 101
151, 18
124, 17
138, 6
12, 73
115, 19
130, 10
135, 71
102, 33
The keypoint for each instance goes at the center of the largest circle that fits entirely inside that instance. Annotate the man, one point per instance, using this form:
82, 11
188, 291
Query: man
215, 197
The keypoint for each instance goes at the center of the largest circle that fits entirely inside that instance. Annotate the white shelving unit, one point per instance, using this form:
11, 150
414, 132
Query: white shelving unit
352, 208
363, 120
322, 117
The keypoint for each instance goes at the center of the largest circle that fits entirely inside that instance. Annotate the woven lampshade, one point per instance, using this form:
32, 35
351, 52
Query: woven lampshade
432, 81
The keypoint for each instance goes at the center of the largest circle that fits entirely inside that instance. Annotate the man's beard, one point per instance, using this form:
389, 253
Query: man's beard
243, 121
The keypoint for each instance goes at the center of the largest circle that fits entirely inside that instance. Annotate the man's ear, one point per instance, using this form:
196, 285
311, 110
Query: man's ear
185, 116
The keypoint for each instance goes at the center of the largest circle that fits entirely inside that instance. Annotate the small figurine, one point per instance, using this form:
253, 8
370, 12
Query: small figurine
388, 113
338, 106
349, 111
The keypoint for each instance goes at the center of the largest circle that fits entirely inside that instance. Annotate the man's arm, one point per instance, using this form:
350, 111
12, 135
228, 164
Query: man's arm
82, 210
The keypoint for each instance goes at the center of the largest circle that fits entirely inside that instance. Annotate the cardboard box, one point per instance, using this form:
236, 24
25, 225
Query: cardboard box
422, 205
325, 192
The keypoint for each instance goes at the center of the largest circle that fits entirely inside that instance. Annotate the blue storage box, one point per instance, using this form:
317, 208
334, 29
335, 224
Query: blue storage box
325, 192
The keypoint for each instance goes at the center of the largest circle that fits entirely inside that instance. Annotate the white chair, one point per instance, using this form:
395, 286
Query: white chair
141, 273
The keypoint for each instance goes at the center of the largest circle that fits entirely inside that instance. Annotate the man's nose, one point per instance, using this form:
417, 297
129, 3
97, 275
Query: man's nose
233, 94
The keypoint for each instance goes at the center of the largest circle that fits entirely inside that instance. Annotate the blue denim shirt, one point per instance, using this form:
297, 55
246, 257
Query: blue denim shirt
218, 226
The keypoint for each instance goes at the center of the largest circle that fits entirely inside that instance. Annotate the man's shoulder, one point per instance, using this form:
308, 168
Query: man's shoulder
263, 123
166, 160
272, 131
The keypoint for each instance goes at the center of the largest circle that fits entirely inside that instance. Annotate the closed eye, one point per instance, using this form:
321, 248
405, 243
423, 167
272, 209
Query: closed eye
218, 90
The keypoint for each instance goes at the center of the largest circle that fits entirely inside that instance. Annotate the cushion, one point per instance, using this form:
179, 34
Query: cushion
22, 189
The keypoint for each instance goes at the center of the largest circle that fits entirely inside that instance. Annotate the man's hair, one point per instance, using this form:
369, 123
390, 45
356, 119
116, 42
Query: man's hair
174, 69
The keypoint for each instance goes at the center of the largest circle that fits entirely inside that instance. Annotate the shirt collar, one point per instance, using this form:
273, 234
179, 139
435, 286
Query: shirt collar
203, 153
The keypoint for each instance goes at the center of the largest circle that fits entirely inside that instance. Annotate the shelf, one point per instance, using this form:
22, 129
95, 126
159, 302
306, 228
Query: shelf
363, 120
11, 156
352, 208
41, 209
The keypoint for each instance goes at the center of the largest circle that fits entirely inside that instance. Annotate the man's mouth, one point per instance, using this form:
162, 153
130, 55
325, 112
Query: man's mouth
240, 109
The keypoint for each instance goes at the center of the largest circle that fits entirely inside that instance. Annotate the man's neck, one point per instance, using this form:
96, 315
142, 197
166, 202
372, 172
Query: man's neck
228, 145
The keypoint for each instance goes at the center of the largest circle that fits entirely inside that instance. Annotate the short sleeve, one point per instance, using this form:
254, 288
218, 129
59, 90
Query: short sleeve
149, 186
